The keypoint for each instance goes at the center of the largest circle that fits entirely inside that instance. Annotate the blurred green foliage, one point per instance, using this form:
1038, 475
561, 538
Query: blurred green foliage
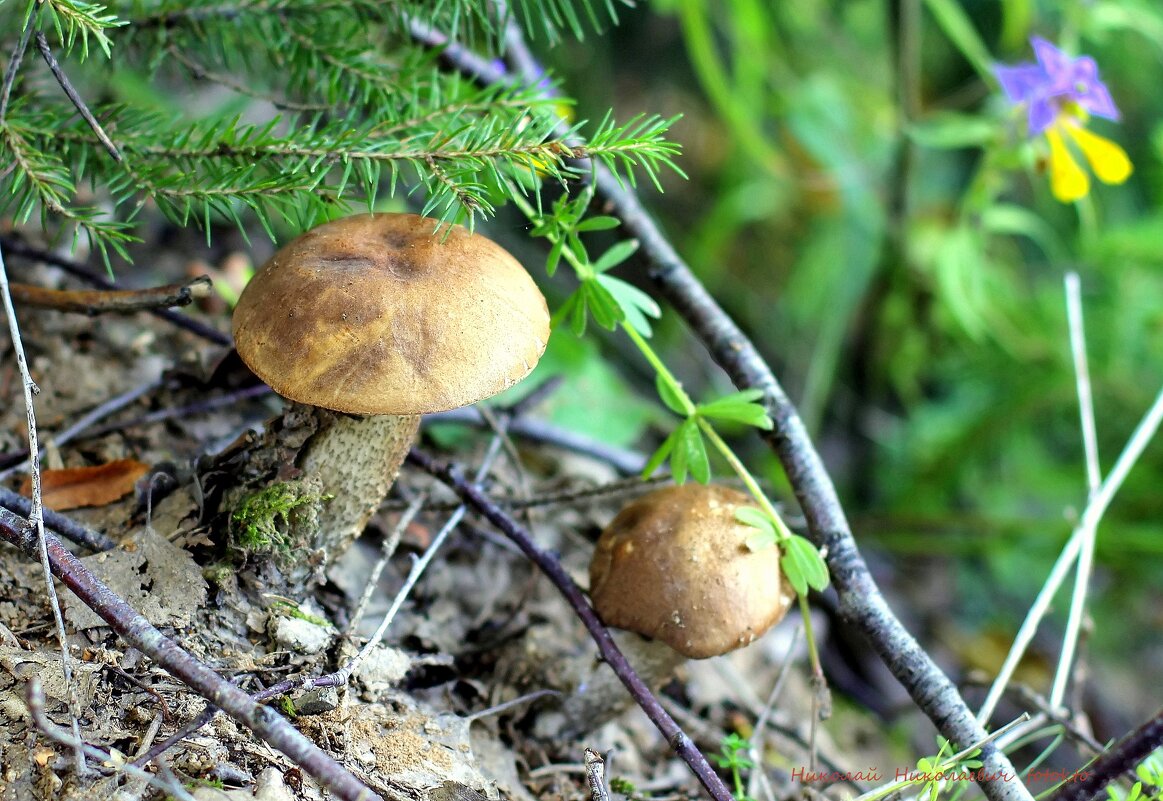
863, 200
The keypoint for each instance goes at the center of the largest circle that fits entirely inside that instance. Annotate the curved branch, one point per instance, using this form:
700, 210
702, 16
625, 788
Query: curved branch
138, 632
861, 601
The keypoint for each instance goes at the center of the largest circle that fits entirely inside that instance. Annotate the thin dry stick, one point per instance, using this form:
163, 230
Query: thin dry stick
36, 517
343, 675
59, 524
111, 301
74, 97
1120, 759
1082, 380
757, 738
142, 635
1093, 480
388, 548
16, 246
677, 739
35, 700
13, 69
98, 412
861, 601
1094, 511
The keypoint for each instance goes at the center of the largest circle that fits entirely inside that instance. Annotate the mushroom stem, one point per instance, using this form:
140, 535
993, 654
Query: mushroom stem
356, 459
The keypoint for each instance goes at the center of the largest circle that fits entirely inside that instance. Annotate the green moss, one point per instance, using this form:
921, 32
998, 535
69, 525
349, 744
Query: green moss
291, 609
277, 518
287, 707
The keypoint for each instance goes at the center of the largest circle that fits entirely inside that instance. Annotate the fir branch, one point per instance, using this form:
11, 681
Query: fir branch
73, 18
200, 72
38, 179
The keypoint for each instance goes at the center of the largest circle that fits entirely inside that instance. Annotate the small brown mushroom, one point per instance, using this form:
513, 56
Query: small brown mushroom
373, 320
673, 570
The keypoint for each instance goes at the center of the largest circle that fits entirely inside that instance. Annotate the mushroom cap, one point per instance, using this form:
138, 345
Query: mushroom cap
674, 565
390, 314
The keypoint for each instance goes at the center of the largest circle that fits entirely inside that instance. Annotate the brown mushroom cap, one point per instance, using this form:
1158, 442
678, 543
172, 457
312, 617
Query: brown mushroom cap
385, 314
674, 565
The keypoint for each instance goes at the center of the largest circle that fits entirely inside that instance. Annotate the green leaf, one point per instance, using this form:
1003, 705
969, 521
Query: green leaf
659, 456
949, 130
803, 565
635, 303
615, 255
754, 517
765, 535
598, 224
579, 314
694, 451
958, 27
678, 454
739, 407
554, 258
602, 305
671, 395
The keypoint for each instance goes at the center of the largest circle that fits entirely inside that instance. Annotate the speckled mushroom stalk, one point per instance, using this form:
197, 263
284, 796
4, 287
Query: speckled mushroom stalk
374, 320
674, 572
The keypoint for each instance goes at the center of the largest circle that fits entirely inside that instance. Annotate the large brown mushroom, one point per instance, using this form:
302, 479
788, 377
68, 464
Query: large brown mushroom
674, 572
373, 320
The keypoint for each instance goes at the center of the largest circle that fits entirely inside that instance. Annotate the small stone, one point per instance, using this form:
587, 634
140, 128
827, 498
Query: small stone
317, 702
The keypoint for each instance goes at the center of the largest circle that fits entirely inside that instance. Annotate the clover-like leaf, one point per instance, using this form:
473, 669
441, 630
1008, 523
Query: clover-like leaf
803, 565
617, 254
635, 303
659, 456
599, 223
602, 305
554, 258
695, 451
765, 535
739, 407
672, 395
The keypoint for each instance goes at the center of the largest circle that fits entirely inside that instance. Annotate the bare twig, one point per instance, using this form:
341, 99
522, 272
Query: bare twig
18, 247
1120, 759
35, 514
74, 97
59, 524
13, 69
138, 632
624, 461
102, 410
35, 700
1094, 511
861, 601
388, 548
343, 675
104, 301
549, 565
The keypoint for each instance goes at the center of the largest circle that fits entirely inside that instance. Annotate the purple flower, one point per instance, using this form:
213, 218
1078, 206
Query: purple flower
1057, 79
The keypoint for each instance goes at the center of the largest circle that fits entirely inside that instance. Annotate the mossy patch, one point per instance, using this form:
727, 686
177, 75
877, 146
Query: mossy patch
278, 518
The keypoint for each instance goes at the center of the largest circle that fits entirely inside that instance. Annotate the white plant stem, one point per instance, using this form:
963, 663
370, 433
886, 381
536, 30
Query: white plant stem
1089, 522
1093, 481
36, 517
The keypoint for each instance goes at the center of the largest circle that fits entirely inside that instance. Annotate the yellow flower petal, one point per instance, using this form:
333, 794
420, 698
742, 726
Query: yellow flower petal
1068, 181
1109, 161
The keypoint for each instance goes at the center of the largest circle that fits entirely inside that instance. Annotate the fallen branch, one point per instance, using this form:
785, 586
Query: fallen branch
103, 301
265, 722
551, 567
861, 602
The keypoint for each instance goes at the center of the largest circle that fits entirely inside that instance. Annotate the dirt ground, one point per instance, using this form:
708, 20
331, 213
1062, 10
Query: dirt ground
449, 706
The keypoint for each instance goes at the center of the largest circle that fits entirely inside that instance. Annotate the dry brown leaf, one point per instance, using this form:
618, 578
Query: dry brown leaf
74, 487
